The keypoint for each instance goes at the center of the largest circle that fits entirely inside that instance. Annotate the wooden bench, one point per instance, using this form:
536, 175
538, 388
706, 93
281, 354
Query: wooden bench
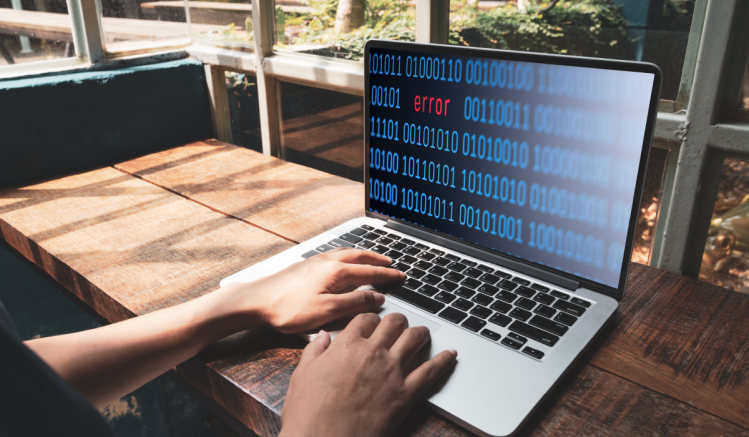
165, 228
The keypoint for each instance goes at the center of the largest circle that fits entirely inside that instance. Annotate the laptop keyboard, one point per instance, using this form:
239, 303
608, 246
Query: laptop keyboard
476, 297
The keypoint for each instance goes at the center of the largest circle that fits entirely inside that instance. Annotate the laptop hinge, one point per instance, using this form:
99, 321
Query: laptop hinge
475, 252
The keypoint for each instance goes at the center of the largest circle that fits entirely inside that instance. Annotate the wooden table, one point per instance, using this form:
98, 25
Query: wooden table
166, 228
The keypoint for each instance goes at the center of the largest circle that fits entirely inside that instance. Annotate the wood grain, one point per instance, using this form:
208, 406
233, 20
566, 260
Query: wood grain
287, 199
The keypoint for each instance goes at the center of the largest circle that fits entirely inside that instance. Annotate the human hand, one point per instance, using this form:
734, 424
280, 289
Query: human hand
359, 384
310, 293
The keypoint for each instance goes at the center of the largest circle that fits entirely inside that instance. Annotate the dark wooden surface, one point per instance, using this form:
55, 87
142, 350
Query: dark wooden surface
166, 228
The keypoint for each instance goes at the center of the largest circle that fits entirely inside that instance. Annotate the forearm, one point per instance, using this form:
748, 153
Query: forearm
106, 363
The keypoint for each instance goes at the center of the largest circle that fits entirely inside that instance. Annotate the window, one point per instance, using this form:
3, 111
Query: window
129, 24
23, 40
650, 205
244, 110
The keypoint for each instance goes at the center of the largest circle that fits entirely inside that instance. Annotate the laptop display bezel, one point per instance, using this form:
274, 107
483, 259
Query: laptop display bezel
641, 67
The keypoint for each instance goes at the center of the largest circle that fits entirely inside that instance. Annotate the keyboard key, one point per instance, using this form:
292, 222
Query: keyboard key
408, 259
366, 244
412, 284
367, 227
559, 295
511, 342
426, 256
324, 248
582, 303
484, 268
379, 231
437, 270
455, 277
536, 334
474, 324
411, 251
380, 249
520, 314
489, 278
393, 236
474, 273
507, 296
401, 267
566, 319
453, 315
500, 306
545, 311
416, 273
500, 319
487, 289
442, 261
407, 241
310, 254
522, 281
551, 326
508, 285
398, 245
428, 290
525, 292
353, 239
463, 304
526, 303
533, 352
465, 292
481, 312
571, 308
471, 283
416, 299
443, 296
423, 265
421, 246
370, 236
358, 232
483, 299
544, 299
519, 338
385, 241
540, 288
502, 274
431, 279
469, 263
436, 252
488, 333
452, 257
393, 254
456, 266
340, 243
447, 286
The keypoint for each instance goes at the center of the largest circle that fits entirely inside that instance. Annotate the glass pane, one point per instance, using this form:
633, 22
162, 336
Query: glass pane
725, 261
323, 129
227, 24
340, 28
244, 110
744, 98
650, 206
23, 39
642, 30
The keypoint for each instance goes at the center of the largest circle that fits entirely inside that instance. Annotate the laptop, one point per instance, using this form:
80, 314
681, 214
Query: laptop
507, 186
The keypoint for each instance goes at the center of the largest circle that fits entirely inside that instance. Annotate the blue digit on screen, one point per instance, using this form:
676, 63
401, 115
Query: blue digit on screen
535, 160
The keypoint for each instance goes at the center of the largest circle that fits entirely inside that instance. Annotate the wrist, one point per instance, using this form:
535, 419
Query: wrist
229, 310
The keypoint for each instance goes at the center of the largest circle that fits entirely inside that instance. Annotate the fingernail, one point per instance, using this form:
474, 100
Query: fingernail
379, 299
454, 352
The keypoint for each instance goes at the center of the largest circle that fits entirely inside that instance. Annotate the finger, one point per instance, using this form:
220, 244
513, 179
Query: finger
428, 373
391, 327
357, 256
355, 302
362, 274
314, 349
409, 343
361, 326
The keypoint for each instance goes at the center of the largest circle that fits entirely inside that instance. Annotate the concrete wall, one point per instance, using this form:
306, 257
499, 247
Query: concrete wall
58, 125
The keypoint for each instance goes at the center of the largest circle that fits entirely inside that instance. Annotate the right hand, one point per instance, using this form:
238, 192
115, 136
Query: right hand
359, 384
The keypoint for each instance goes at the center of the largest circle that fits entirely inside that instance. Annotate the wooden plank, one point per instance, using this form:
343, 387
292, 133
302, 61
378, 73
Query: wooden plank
684, 338
287, 199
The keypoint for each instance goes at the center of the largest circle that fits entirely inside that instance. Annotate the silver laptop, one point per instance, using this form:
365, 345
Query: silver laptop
506, 185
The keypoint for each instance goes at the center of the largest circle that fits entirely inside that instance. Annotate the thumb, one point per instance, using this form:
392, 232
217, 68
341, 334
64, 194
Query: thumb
314, 349
355, 302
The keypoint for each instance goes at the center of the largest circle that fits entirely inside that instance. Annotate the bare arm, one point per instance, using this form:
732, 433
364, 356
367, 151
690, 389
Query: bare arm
108, 362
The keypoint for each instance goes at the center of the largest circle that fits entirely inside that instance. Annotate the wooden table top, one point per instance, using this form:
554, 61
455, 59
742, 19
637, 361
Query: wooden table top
166, 228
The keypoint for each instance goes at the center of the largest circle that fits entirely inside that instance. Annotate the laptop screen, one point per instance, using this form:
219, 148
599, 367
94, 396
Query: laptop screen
535, 160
